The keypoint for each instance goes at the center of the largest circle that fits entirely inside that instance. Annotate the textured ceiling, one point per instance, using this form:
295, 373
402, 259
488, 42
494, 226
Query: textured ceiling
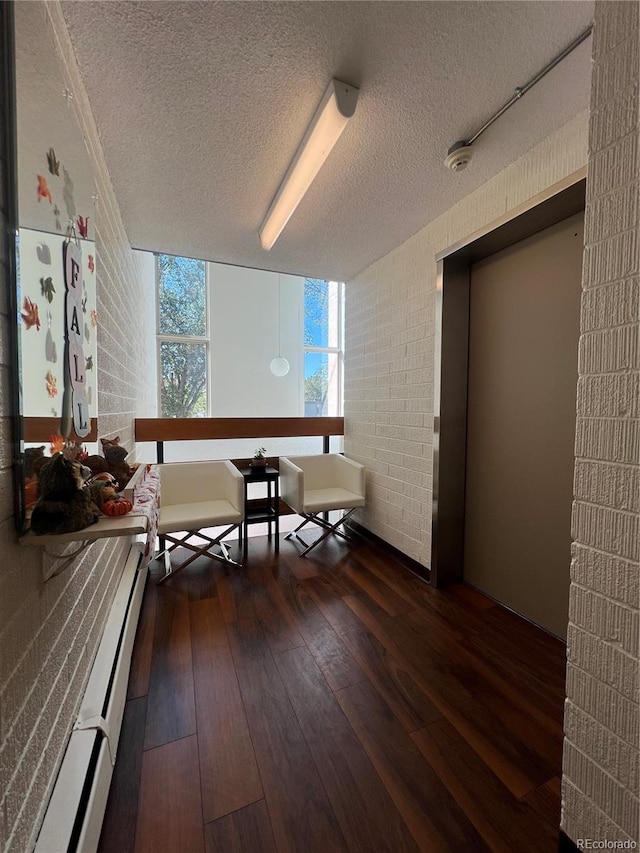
201, 106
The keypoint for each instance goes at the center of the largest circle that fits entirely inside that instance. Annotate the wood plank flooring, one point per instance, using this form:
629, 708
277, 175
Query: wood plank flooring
335, 703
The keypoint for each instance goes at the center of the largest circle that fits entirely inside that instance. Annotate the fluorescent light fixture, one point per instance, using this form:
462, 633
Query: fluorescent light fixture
337, 106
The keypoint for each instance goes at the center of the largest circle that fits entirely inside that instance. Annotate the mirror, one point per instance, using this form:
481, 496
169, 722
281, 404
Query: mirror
56, 257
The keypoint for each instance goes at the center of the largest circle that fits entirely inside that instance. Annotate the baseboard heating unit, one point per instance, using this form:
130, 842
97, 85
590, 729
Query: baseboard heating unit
75, 812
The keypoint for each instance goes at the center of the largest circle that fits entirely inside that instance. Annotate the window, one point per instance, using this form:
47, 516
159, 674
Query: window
183, 337
198, 376
322, 347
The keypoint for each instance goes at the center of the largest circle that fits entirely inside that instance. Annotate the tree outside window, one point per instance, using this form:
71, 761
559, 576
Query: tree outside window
183, 343
183, 392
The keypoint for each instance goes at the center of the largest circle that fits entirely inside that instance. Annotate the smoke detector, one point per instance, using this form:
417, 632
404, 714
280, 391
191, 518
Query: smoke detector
458, 156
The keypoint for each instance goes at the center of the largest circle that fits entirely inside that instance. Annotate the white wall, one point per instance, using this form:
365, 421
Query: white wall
602, 715
245, 308
147, 283
389, 345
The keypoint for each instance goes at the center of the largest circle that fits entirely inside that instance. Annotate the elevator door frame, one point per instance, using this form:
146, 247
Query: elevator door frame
451, 364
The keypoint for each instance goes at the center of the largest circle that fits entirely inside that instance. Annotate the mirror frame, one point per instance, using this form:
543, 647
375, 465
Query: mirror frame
23, 429
8, 154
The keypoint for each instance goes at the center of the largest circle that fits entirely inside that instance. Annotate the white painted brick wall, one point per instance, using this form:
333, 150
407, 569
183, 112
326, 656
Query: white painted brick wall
602, 734
390, 316
49, 633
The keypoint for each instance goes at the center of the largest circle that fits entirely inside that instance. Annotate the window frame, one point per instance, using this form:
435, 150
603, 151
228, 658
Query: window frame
182, 339
336, 350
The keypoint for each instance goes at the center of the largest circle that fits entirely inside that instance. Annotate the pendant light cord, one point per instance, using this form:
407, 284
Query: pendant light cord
279, 318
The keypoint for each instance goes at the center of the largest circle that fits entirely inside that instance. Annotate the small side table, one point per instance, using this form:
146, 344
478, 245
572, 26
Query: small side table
270, 513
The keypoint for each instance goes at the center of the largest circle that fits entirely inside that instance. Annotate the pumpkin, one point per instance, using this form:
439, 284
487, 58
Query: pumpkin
30, 492
121, 507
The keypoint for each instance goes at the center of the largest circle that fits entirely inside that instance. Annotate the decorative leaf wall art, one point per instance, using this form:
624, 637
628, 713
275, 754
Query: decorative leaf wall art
67, 192
56, 213
57, 444
92, 265
87, 333
50, 349
53, 162
51, 384
44, 253
30, 315
43, 189
47, 289
94, 318
83, 226
41, 354
89, 363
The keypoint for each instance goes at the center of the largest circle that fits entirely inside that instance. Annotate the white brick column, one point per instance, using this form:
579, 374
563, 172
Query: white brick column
601, 758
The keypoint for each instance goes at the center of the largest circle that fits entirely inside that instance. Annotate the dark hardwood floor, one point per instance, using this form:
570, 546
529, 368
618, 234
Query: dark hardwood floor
335, 703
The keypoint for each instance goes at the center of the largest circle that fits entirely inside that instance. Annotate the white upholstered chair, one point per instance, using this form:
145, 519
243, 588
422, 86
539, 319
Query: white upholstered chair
195, 495
312, 485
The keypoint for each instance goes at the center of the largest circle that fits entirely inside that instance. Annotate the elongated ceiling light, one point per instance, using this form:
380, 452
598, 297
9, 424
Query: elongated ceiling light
337, 106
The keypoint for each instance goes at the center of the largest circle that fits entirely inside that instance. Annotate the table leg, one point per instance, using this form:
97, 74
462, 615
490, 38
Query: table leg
269, 510
277, 514
245, 525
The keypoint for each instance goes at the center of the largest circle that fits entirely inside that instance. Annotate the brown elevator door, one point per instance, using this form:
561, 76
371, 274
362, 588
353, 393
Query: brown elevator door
523, 345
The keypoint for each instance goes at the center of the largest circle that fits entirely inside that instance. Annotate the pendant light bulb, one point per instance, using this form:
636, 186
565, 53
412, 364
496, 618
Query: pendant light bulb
279, 366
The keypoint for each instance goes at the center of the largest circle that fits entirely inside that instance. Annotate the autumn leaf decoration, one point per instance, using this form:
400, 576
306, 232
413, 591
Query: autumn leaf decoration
51, 384
53, 162
57, 444
94, 318
47, 289
92, 265
30, 315
43, 189
83, 225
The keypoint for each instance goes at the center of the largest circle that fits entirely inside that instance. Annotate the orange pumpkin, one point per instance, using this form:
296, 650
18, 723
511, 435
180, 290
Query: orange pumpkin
30, 492
121, 507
